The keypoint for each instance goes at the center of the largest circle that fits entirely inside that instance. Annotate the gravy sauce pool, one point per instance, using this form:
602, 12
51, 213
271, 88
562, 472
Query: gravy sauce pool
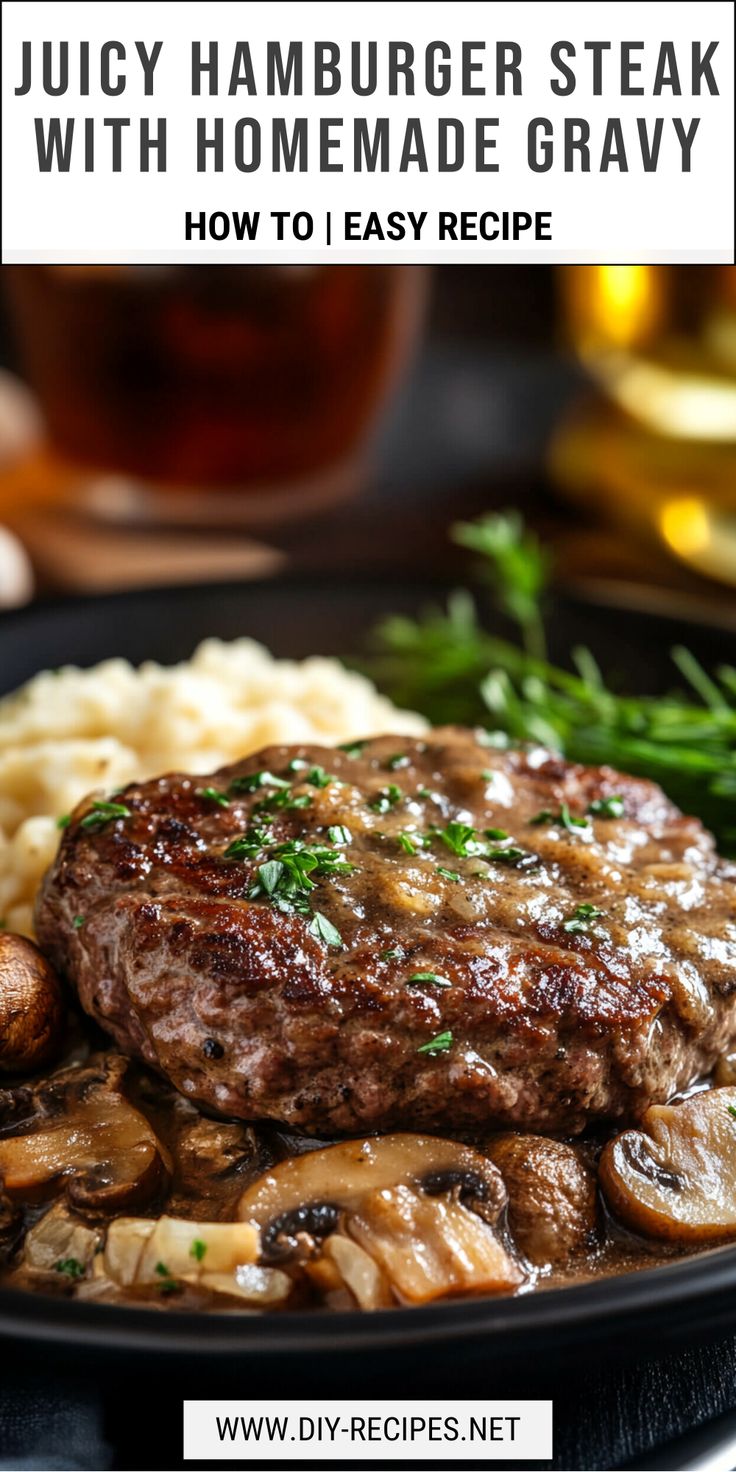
213, 1161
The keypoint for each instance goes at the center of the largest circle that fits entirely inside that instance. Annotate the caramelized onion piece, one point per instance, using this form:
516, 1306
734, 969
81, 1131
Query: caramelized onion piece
358, 1271
422, 1209
31, 1007
78, 1131
58, 1239
675, 1177
431, 1248
217, 1257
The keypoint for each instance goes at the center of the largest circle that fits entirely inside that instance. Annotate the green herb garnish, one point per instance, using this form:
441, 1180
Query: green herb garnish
407, 841
461, 839
352, 748
513, 856
441, 1044
395, 954
607, 807
579, 921
731, 1109
339, 834
400, 759
448, 873
570, 821
318, 777
447, 666
198, 1249
297, 764
427, 978
104, 812
64, 820
213, 794
71, 1267
386, 799
255, 780
289, 875
324, 930
78, 921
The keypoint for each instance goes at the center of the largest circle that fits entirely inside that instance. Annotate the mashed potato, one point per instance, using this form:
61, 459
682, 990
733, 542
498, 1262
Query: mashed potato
67, 733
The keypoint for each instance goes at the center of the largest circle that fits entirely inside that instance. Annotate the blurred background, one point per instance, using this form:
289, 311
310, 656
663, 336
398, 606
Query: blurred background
196, 424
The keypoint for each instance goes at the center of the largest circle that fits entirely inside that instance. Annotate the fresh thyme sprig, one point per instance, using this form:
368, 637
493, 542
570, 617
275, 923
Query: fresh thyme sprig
448, 666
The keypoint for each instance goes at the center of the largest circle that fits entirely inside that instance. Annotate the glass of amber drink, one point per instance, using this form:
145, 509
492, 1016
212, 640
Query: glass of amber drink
249, 391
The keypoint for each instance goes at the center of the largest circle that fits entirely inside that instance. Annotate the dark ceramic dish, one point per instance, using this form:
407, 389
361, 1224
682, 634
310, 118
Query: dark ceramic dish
648, 1310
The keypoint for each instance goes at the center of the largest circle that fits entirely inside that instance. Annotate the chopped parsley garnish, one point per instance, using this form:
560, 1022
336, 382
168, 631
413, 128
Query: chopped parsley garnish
396, 953
428, 978
507, 855
198, 1249
407, 841
104, 812
283, 801
286, 878
213, 794
400, 759
270, 875
731, 1109
607, 807
339, 834
565, 818
352, 748
448, 873
460, 838
168, 1284
441, 1044
580, 919
386, 799
71, 1267
318, 777
497, 834
323, 929
64, 820
255, 780
78, 921
248, 845
425, 792
569, 821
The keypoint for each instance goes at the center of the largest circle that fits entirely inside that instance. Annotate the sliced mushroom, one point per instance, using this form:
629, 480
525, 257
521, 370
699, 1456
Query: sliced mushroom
217, 1257
78, 1132
31, 1007
552, 1197
675, 1177
423, 1209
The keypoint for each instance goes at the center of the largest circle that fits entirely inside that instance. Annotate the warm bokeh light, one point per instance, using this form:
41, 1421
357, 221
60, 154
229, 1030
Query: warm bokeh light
685, 526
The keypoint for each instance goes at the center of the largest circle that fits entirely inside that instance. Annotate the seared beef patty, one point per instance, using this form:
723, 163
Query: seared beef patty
430, 933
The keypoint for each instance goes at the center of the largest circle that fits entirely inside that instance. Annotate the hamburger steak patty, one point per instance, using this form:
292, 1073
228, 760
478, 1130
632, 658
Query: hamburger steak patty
431, 933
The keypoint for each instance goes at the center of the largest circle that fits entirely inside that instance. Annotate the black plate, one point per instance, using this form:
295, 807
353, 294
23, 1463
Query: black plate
653, 1309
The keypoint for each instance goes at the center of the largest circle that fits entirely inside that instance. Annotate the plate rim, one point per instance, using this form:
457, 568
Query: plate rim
604, 1306
601, 1306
